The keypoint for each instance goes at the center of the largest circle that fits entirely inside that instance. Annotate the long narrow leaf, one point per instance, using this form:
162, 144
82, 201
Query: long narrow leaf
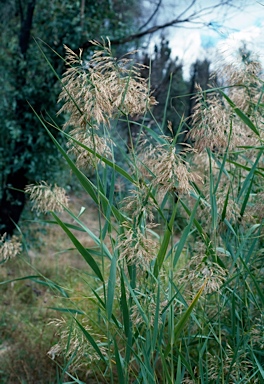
83, 251
261, 370
111, 288
90, 233
248, 180
184, 318
240, 114
91, 340
119, 365
67, 310
185, 235
37, 279
165, 242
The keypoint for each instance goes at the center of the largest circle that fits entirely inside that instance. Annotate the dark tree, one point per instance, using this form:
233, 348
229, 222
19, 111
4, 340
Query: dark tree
26, 155
200, 74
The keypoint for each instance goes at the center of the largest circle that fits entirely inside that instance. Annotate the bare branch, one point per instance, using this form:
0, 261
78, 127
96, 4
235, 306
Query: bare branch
138, 35
181, 19
152, 16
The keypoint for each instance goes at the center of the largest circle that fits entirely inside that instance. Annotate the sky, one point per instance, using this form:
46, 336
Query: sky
221, 40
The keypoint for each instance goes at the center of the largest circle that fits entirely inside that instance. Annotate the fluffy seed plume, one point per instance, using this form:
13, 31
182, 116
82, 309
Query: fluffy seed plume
214, 123
135, 246
83, 158
74, 346
140, 202
166, 169
9, 248
210, 121
199, 270
47, 198
97, 90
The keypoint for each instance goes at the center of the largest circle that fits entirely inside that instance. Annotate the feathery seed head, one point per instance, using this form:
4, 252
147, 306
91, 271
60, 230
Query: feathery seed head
9, 248
140, 202
135, 246
73, 344
104, 89
214, 124
84, 158
166, 169
47, 198
201, 269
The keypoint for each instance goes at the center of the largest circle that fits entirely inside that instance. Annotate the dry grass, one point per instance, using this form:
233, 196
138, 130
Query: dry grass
25, 337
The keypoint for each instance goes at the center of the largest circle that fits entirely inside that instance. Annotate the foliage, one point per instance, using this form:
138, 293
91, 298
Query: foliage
157, 306
25, 155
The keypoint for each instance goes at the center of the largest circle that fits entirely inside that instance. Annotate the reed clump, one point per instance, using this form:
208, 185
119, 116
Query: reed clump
164, 306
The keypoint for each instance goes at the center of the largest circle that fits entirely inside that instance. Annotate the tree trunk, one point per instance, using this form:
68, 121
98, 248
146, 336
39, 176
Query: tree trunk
13, 197
13, 201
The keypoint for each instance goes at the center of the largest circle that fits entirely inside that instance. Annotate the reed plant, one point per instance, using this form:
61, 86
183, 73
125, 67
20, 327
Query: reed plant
166, 301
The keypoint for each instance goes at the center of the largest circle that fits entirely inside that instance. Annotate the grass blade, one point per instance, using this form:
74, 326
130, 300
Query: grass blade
91, 340
111, 287
185, 235
83, 251
240, 114
119, 365
165, 242
184, 318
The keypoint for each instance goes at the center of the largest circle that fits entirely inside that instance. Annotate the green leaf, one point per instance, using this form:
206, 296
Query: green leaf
261, 370
111, 288
178, 373
133, 295
184, 318
248, 180
90, 233
185, 235
119, 364
240, 114
83, 251
124, 307
91, 340
37, 279
165, 242
67, 310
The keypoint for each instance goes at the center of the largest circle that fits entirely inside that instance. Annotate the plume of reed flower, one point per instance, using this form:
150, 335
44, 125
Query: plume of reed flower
136, 245
213, 117
257, 334
96, 91
210, 122
9, 248
246, 85
140, 202
73, 344
83, 158
200, 269
234, 366
166, 169
100, 89
46, 197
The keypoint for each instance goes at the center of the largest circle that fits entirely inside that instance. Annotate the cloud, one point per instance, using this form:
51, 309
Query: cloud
248, 38
246, 27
